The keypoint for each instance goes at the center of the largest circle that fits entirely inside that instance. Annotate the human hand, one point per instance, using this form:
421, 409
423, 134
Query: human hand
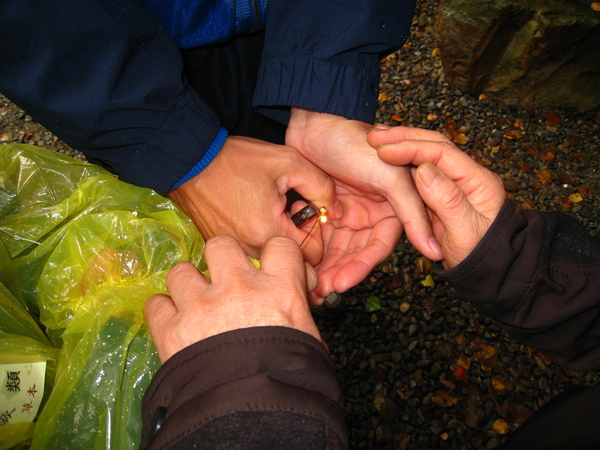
357, 242
238, 295
339, 146
242, 193
464, 197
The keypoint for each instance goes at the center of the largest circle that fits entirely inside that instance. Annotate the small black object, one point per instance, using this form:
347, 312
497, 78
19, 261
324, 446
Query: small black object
304, 215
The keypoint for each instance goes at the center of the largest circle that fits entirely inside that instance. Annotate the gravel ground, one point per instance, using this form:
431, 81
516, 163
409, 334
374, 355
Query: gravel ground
426, 370
420, 368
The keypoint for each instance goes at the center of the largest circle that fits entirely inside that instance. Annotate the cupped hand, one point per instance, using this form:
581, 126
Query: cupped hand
238, 295
464, 197
357, 242
242, 193
339, 146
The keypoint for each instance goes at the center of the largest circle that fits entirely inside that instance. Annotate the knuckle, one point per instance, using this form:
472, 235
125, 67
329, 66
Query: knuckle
497, 179
177, 271
254, 236
282, 241
452, 198
221, 239
440, 136
151, 305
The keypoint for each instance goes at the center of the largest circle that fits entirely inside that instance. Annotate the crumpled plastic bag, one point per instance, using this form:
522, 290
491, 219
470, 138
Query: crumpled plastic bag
22, 342
85, 251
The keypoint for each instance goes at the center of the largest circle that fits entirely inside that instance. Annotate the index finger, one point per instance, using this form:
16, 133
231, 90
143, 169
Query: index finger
455, 163
390, 135
184, 281
225, 258
312, 183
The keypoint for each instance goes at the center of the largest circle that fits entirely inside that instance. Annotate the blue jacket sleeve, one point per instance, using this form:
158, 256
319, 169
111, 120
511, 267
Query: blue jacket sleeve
323, 55
107, 79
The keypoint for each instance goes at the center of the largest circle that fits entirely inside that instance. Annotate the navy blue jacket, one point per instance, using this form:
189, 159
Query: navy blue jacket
106, 77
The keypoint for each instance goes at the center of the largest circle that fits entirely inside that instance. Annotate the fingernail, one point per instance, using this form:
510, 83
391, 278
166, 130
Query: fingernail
428, 173
436, 248
381, 127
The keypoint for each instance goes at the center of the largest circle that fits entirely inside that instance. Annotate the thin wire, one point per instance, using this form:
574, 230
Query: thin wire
309, 231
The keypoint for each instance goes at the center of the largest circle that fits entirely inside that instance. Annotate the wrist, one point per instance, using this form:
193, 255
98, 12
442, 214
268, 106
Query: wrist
305, 118
299, 119
206, 159
306, 126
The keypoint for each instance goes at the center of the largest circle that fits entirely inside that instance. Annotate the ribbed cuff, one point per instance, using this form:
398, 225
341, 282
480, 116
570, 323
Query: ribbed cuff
319, 85
210, 154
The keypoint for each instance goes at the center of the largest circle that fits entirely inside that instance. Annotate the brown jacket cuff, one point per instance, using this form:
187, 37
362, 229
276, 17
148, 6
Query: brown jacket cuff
261, 369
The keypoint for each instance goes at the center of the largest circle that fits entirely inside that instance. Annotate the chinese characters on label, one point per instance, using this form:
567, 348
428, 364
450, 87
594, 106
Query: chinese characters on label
21, 392
13, 381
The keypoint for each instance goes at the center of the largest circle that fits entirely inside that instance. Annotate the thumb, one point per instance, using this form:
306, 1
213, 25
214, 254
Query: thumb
312, 279
444, 197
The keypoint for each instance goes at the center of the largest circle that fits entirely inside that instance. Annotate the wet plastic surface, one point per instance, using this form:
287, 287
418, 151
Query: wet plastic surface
82, 253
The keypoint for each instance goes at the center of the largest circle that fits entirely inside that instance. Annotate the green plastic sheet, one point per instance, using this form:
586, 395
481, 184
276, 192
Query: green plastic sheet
80, 253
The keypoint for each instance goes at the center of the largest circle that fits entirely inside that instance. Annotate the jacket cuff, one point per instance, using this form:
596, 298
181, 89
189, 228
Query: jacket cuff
187, 132
249, 370
210, 154
319, 85
496, 260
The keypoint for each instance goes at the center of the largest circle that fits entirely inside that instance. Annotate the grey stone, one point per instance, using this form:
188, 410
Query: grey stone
531, 53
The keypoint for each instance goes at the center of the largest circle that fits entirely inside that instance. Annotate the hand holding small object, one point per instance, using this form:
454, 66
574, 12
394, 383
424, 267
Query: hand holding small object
243, 193
238, 295
374, 215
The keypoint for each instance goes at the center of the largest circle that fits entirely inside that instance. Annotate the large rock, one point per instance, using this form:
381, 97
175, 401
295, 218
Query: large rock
531, 53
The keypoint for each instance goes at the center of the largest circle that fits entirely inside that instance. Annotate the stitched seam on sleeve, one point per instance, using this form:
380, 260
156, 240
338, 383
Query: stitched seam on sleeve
576, 269
536, 274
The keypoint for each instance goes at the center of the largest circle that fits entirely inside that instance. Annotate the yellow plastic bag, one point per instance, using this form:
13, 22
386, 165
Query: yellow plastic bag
24, 349
87, 250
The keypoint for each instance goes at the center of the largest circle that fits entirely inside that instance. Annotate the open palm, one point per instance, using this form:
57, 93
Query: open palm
379, 200
364, 237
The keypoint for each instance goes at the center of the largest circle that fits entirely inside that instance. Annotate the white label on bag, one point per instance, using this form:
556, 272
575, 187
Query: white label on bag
21, 391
